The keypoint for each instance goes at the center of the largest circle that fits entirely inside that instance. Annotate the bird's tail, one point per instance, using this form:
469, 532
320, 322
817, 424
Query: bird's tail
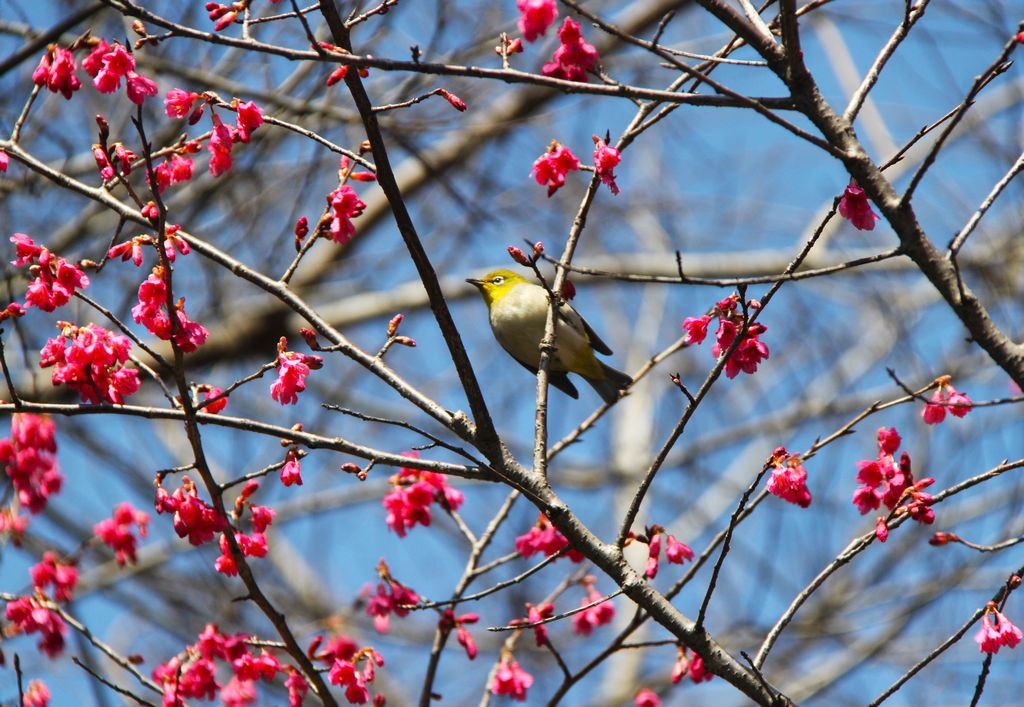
613, 383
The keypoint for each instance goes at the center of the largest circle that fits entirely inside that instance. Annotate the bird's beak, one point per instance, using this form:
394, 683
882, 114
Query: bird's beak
474, 282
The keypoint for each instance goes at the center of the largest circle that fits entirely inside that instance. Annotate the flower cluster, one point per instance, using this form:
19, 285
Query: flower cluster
132, 249
691, 666
116, 532
408, 503
945, 399
545, 538
750, 351
346, 673
29, 457
37, 694
52, 570
56, 279
675, 552
90, 360
292, 370
510, 679
29, 615
392, 597
192, 673
855, 207
996, 631
108, 64
345, 205
56, 71
450, 621
536, 17
180, 103
551, 167
193, 517
175, 170
574, 57
886, 481
789, 478
151, 312
584, 622
291, 472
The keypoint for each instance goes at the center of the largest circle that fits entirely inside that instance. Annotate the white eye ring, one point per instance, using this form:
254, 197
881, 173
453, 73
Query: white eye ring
498, 280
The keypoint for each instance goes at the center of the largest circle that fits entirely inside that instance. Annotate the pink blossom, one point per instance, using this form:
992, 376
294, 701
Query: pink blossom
413, 492
574, 58
220, 144
173, 171
676, 552
116, 532
37, 694
449, 621
545, 538
855, 208
789, 478
56, 279
551, 167
52, 570
298, 688
392, 597
345, 206
886, 481
29, 457
945, 399
178, 102
94, 62
250, 117
689, 665
56, 71
29, 616
535, 616
536, 17
291, 472
292, 370
647, 698
696, 329
510, 679
653, 555
996, 631
606, 159
5, 161
193, 517
750, 351
113, 64
587, 620
151, 312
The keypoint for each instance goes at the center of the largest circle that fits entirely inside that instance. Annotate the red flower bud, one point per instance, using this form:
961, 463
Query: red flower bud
518, 255
393, 324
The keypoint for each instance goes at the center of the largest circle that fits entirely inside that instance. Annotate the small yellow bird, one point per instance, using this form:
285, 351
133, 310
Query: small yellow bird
518, 311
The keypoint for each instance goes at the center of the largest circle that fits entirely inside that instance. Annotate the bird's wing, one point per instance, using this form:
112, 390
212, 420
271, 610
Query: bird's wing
571, 317
559, 379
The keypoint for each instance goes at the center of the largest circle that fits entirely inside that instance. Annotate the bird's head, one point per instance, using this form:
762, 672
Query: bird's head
494, 286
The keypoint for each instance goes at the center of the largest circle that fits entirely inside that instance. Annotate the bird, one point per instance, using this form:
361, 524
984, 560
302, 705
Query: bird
518, 311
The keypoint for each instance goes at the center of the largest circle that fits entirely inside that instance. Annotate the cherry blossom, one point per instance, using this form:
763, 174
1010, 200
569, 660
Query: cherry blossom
535, 18
750, 352
29, 457
789, 478
56, 279
392, 597
855, 208
586, 621
116, 532
30, 616
606, 159
574, 58
345, 206
56, 71
193, 517
292, 370
646, 698
52, 570
414, 491
945, 399
510, 679
551, 167
996, 631
544, 538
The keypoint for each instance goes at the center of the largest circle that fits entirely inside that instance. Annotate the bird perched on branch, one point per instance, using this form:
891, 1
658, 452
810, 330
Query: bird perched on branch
518, 311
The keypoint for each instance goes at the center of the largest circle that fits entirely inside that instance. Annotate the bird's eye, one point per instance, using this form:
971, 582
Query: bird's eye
498, 280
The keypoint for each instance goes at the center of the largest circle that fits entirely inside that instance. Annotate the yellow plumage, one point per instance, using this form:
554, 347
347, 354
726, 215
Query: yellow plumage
518, 311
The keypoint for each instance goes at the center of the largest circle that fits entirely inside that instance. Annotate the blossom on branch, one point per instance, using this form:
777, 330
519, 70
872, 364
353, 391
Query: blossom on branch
116, 532
606, 159
789, 478
510, 679
750, 352
996, 631
551, 167
855, 207
574, 58
30, 616
345, 205
108, 64
90, 360
29, 457
545, 538
413, 492
945, 399
52, 570
56, 71
292, 369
